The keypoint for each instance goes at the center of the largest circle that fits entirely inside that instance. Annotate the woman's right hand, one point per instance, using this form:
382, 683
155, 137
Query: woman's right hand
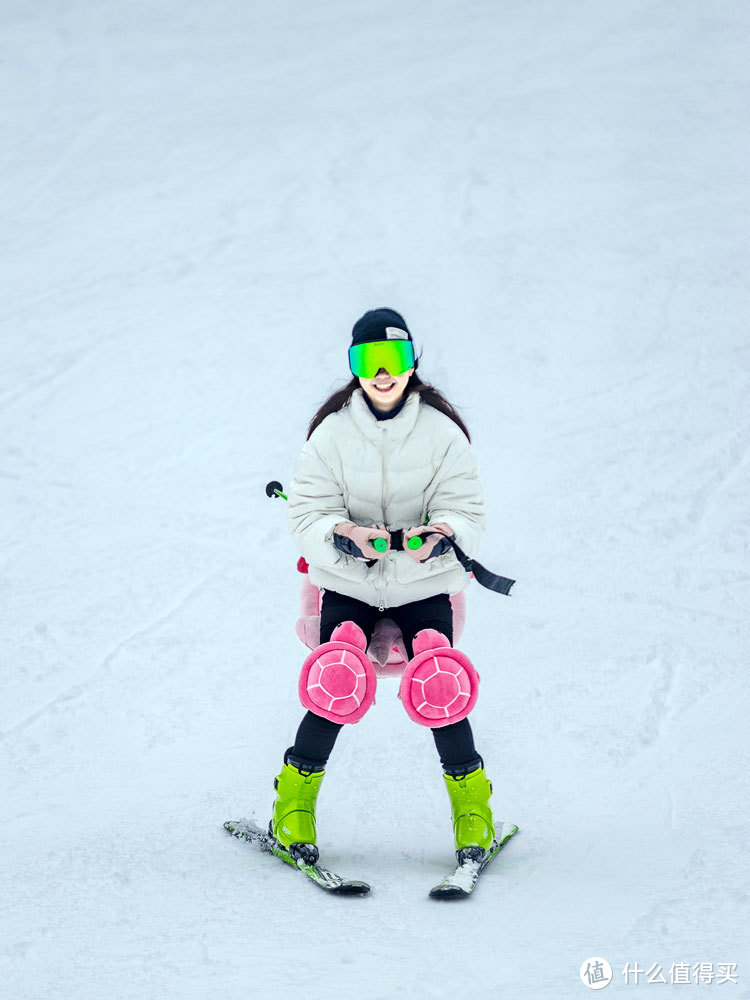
356, 541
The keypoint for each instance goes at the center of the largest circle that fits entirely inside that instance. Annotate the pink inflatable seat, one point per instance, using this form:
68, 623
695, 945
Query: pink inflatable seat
386, 651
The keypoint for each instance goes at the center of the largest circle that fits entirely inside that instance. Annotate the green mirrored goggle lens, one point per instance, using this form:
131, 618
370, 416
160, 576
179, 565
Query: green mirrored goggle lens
396, 356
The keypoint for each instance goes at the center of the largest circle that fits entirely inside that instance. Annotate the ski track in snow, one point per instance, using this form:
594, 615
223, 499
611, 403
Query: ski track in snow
197, 203
77, 689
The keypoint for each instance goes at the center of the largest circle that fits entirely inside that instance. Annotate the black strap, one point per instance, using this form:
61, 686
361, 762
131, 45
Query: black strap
500, 584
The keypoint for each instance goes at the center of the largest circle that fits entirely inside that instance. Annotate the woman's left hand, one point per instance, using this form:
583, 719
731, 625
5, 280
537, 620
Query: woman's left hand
434, 543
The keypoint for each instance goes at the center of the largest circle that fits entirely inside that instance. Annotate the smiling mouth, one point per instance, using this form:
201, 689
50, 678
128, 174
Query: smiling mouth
385, 387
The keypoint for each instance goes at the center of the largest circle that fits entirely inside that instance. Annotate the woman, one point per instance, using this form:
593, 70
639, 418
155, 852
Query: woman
387, 465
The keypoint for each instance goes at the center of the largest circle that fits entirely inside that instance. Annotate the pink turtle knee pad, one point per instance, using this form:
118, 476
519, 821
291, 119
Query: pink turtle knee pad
440, 684
338, 680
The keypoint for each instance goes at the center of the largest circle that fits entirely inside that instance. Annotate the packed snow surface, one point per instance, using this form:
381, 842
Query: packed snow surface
197, 201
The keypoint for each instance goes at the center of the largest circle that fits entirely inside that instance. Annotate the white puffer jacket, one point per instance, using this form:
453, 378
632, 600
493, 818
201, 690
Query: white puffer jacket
397, 472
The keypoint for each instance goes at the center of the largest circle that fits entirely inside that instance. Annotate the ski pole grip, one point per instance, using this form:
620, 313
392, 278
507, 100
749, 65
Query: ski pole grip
415, 542
380, 544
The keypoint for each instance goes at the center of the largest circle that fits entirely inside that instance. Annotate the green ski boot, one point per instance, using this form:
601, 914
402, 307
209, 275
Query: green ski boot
293, 823
473, 826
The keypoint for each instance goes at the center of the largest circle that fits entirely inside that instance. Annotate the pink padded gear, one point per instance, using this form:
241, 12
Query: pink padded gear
440, 684
337, 680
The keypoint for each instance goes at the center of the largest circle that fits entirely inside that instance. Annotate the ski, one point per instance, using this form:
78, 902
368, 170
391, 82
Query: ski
461, 883
246, 830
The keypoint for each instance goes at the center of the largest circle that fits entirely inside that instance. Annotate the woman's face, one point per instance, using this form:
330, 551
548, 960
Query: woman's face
385, 391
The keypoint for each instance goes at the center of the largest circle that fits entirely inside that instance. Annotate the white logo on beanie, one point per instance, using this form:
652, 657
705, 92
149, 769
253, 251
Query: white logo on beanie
393, 333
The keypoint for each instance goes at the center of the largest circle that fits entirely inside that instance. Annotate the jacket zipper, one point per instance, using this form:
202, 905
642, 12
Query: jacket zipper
382, 604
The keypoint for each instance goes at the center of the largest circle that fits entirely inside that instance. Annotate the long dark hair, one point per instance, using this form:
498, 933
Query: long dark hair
428, 394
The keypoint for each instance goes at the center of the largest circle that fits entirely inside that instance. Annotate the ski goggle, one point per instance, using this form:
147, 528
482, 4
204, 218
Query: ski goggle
396, 356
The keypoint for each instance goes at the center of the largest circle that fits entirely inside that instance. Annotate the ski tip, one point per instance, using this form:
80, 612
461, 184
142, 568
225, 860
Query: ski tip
352, 889
448, 892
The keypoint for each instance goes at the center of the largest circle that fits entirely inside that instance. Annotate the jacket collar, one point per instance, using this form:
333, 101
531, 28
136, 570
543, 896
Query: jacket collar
397, 428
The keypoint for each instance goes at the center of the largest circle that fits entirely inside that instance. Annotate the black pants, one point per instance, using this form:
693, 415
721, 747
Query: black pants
316, 736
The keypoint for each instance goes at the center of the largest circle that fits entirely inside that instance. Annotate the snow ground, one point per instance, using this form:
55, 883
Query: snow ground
197, 202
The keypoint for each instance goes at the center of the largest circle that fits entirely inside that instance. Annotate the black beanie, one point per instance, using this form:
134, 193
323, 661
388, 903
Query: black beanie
376, 324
